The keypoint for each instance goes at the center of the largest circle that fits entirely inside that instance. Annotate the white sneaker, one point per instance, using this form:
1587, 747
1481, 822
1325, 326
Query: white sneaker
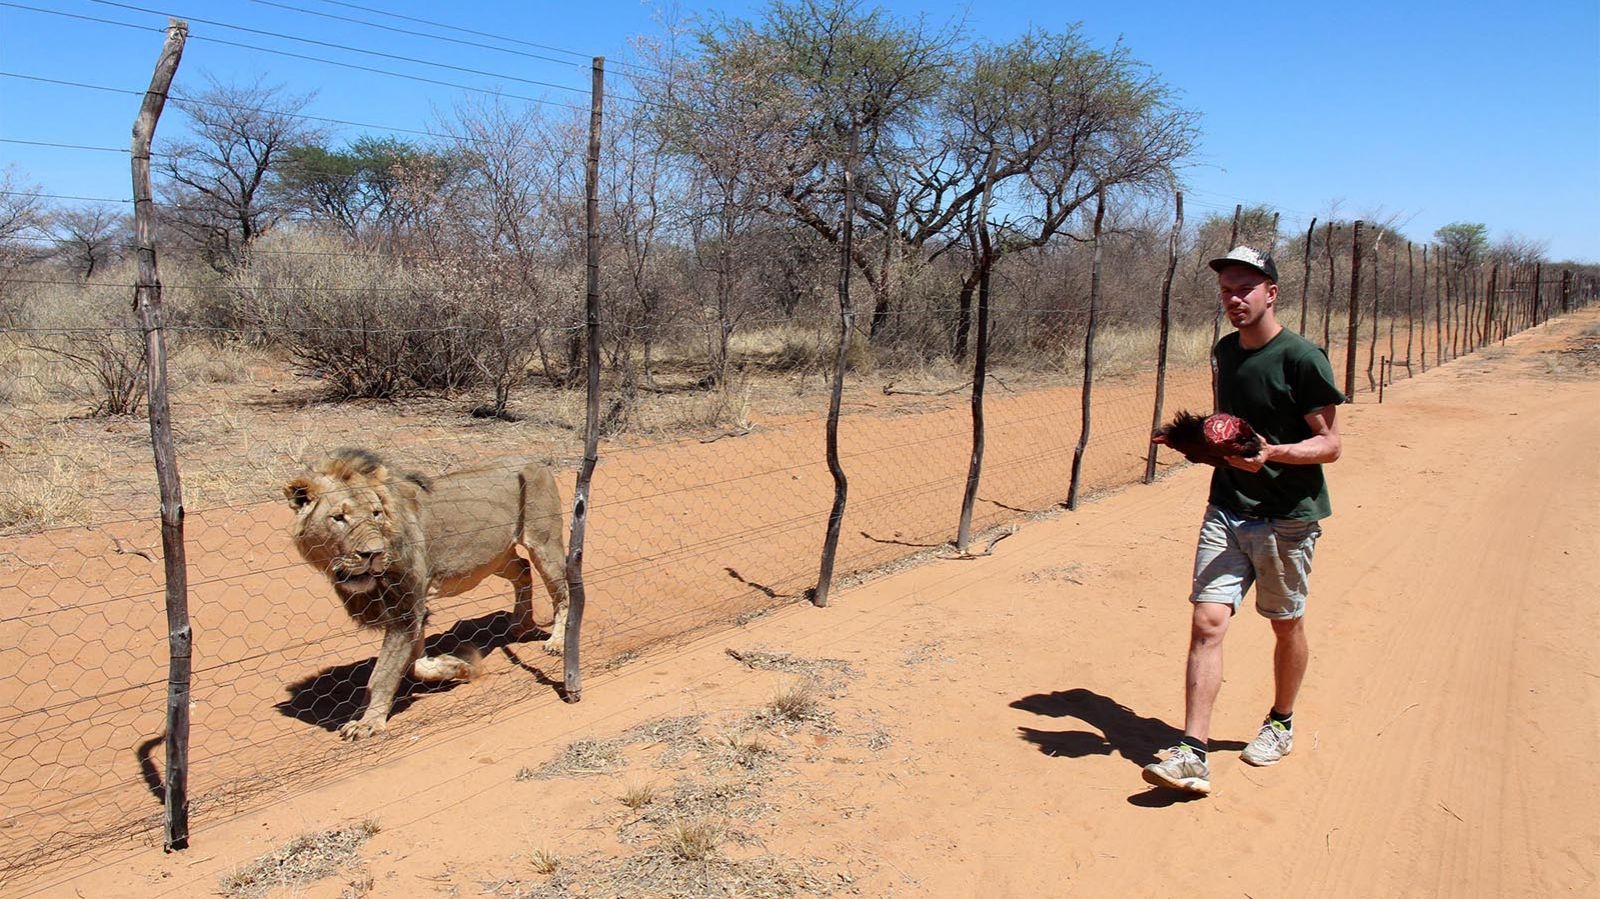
1183, 769
1271, 744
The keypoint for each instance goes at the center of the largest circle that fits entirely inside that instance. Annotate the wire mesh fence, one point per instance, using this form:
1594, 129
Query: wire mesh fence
422, 581
706, 518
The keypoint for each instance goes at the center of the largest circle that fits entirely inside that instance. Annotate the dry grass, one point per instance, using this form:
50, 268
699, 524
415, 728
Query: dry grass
544, 862
638, 796
52, 498
796, 704
789, 663
743, 750
794, 708
303, 860
922, 653
584, 758
691, 842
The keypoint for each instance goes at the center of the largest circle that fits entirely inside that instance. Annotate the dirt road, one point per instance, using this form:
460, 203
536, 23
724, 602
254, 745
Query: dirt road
987, 738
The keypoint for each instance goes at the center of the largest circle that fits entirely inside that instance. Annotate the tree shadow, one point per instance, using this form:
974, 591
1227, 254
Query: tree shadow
334, 696
1116, 728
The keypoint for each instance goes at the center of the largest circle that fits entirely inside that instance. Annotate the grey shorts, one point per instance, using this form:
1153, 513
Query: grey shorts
1274, 554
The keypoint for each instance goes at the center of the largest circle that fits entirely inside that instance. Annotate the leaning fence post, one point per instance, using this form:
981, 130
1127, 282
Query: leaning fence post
1355, 312
980, 364
847, 315
1088, 350
147, 304
1305, 289
571, 676
1161, 346
1216, 315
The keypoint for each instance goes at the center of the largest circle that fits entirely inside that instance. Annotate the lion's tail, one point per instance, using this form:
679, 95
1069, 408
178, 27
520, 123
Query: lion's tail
465, 664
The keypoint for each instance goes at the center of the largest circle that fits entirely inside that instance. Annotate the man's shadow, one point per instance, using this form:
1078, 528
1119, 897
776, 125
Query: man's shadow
334, 696
1114, 728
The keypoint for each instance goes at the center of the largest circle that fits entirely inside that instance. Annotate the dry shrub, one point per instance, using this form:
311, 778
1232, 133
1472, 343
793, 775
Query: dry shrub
222, 364
91, 329
359, 323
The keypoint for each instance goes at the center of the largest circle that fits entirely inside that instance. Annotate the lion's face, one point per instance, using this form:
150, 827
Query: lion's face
345, 522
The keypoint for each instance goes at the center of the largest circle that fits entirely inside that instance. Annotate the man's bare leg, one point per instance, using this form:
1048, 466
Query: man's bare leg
1204, 680
1289, 660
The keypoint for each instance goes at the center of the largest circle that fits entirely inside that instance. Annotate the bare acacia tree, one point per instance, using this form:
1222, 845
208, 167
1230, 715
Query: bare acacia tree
23, 217
88, 237
216, 182
508, 214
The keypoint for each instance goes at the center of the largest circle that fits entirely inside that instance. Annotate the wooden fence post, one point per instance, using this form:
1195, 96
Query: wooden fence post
1488, 307
1538, 294
1088, 350
1352, 334
980, 363
1566, 291
1216, 315
572, 677
1411, 305
1327, 299
1305, 292
147, 305
1377, 298
1166, 327
841, 485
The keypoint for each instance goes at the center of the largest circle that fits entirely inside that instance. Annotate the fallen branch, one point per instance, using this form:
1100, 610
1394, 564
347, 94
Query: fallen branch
987, 550
736, 432
890, 390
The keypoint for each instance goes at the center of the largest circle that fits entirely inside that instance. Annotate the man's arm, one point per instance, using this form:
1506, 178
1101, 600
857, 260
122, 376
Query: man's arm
1322, 447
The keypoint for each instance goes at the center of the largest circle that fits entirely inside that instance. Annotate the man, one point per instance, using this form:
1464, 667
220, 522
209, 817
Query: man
1261, 523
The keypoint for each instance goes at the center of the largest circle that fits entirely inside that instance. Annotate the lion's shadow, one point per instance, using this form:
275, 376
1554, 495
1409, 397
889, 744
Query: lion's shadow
334, 696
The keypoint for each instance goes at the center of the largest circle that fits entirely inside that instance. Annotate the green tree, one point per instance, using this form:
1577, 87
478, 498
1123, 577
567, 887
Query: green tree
358, 189
1465, 240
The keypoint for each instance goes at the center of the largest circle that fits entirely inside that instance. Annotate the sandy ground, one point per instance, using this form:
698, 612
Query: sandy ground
987, 736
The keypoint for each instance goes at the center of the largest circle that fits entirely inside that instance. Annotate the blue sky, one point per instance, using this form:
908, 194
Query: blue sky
1420, 113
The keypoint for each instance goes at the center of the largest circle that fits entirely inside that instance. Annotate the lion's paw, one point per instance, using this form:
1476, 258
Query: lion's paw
361, 730
554, 646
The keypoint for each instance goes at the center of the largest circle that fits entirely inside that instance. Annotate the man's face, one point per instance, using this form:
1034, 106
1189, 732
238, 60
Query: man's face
1246, 294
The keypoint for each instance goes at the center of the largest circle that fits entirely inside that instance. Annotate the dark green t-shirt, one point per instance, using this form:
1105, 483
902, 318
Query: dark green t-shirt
1273, 388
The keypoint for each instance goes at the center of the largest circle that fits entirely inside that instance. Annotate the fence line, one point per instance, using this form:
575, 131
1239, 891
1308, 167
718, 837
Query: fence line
662, 547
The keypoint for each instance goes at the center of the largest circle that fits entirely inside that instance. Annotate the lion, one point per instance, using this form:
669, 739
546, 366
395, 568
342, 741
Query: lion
389, 540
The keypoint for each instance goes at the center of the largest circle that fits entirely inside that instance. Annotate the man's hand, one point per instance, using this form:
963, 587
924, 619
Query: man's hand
1252, 463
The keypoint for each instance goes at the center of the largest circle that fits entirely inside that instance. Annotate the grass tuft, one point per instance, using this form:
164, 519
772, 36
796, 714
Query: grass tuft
303, 860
